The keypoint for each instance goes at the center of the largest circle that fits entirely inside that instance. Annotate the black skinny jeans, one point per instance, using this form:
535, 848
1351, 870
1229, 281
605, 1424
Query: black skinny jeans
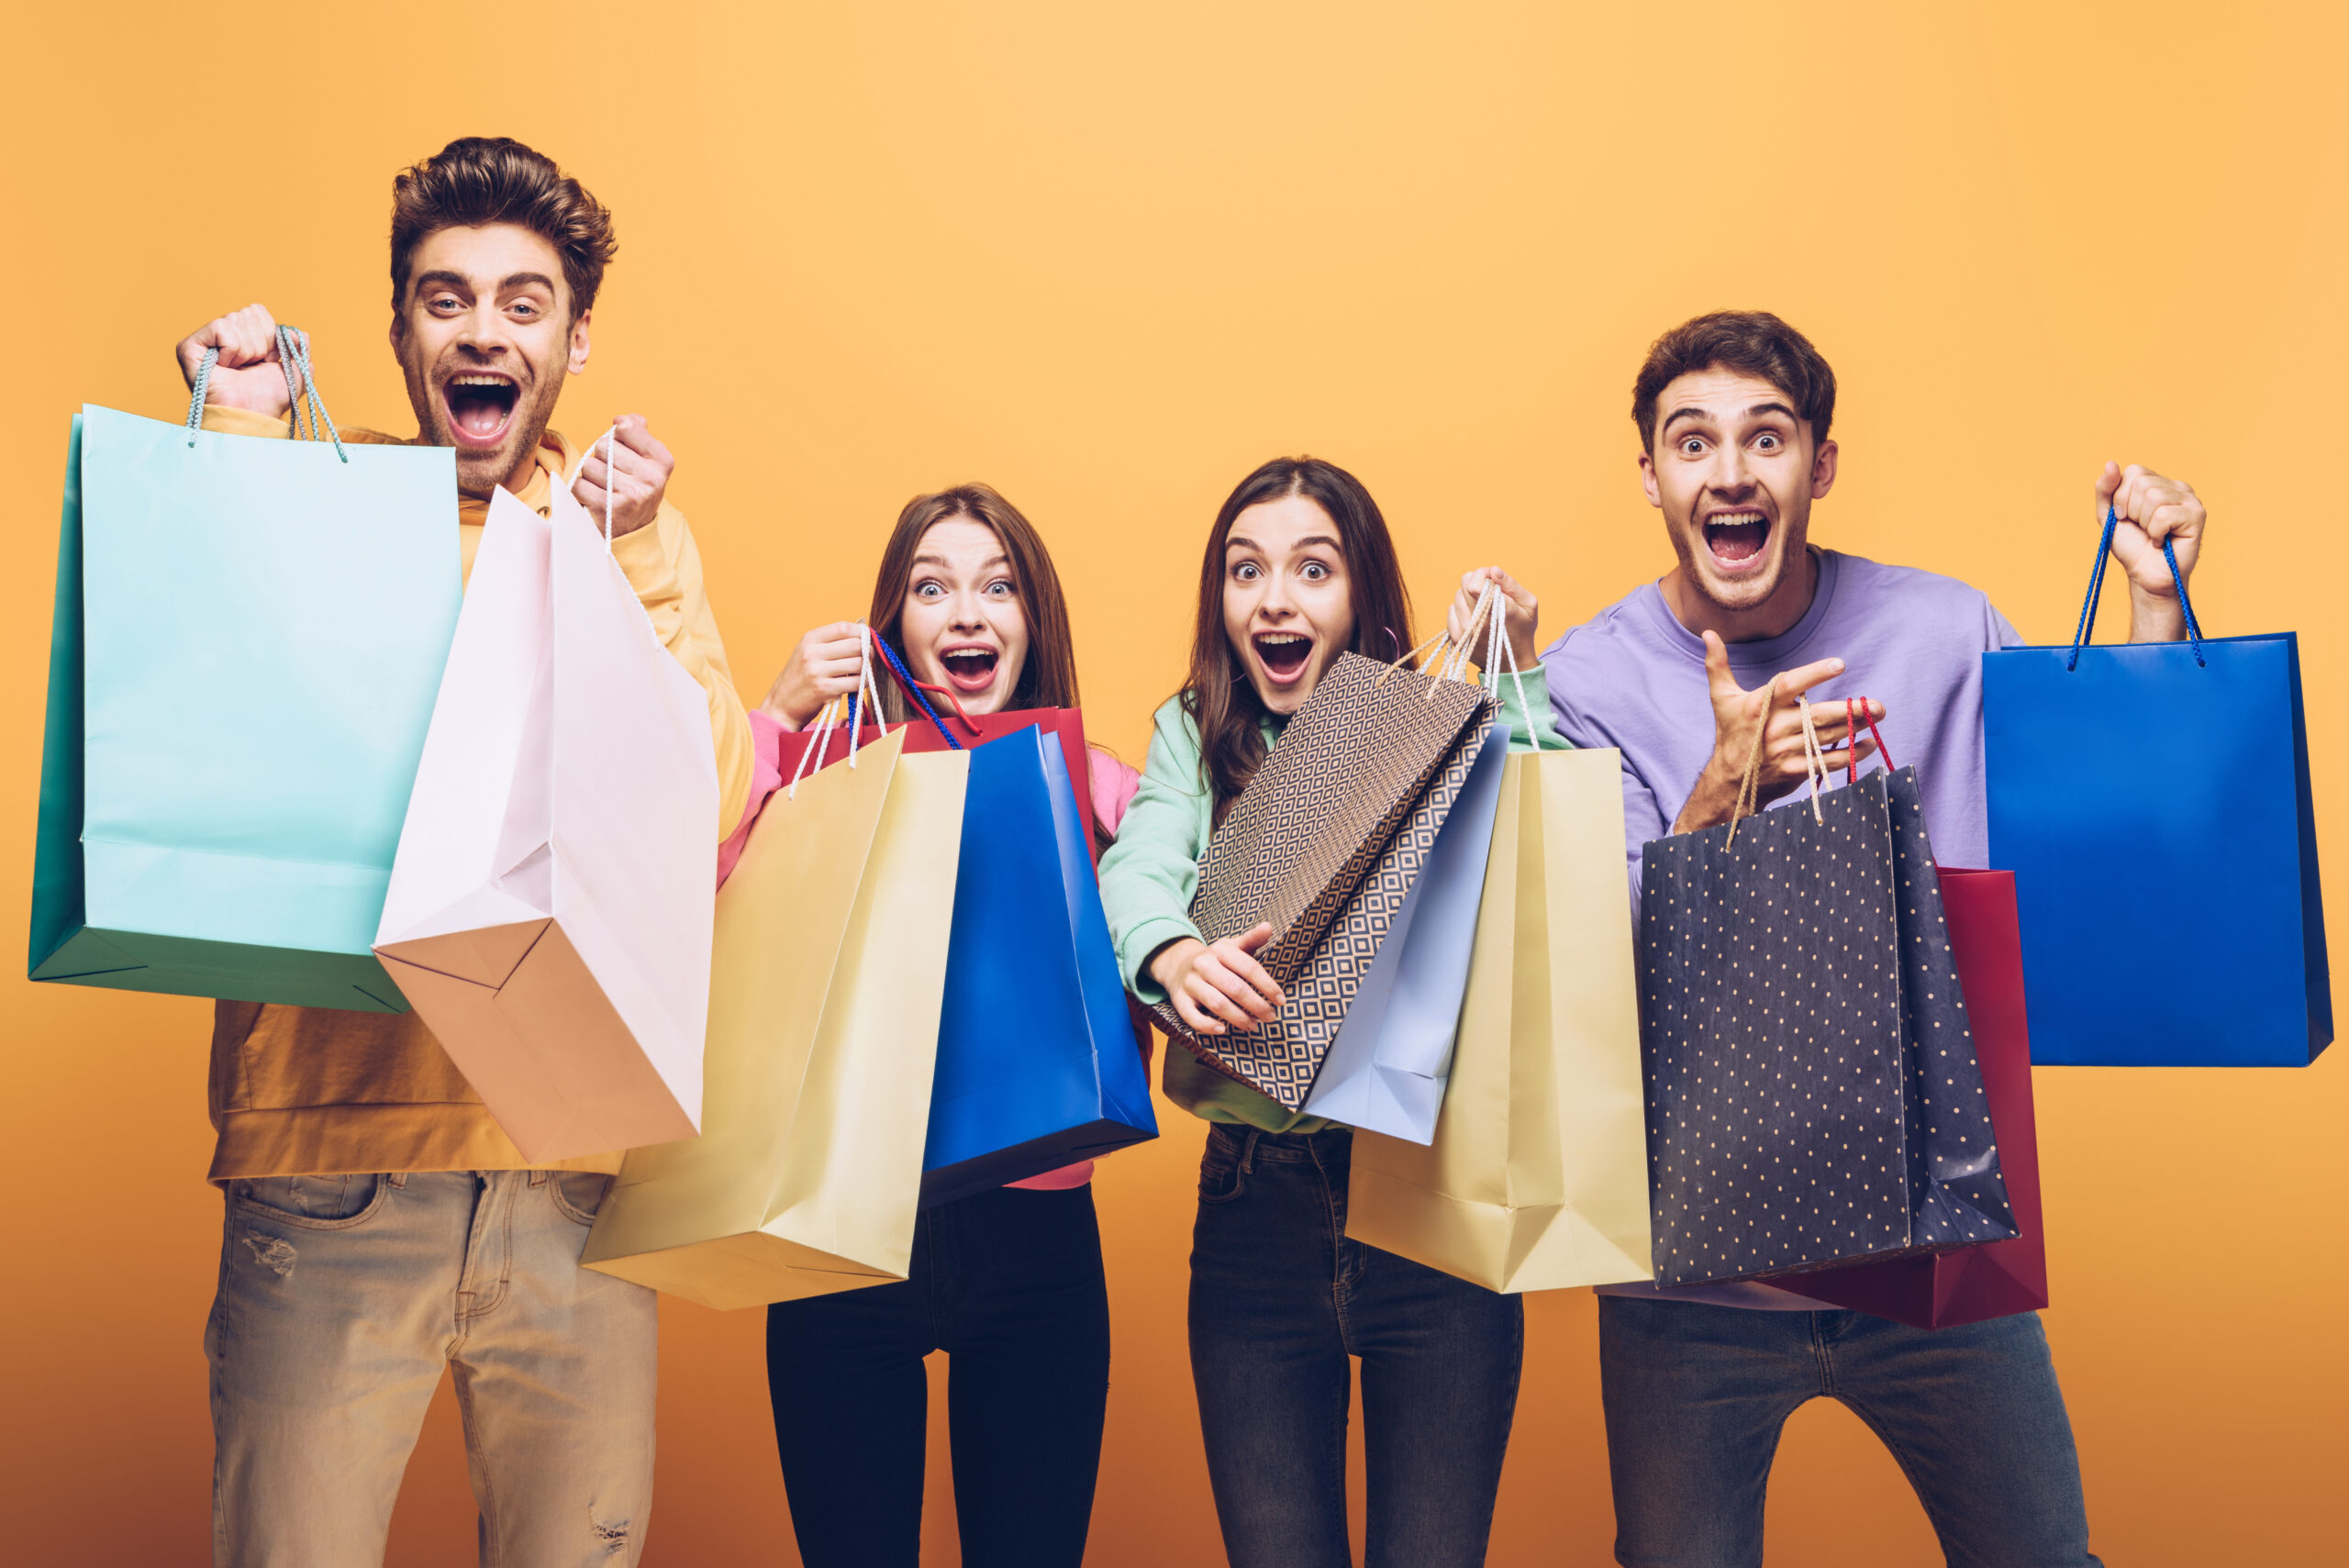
1280, 1299
1008, 1284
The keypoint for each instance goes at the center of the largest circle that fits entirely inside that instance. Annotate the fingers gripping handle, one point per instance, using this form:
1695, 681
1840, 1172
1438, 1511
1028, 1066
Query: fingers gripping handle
2096, 591
301, 384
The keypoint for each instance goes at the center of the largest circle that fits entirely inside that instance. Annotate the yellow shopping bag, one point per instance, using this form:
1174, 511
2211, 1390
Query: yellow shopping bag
826, 976
1538, 1175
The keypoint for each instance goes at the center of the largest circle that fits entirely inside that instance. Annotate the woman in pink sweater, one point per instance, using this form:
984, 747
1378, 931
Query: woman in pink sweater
1007, 1283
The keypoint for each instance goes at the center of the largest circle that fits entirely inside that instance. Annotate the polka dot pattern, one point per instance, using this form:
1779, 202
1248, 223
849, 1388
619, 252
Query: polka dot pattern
1813, 1094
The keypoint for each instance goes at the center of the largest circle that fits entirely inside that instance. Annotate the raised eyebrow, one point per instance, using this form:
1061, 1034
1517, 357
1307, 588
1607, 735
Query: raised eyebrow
941, 561
524, 280
1772, 408
1688, 413
1324, 540
443, 279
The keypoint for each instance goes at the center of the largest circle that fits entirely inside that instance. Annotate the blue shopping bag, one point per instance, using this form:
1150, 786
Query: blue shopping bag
1388, 1066
249, 637
1038, 1066
2153, 802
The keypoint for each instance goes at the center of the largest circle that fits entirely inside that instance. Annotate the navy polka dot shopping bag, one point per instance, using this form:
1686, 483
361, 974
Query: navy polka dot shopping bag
1813, 1094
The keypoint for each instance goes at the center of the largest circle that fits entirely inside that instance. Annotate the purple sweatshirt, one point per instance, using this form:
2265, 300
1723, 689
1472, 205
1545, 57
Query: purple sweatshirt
1632, 677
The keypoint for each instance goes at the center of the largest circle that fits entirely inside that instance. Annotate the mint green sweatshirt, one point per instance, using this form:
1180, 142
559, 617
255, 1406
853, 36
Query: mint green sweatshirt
1151, 873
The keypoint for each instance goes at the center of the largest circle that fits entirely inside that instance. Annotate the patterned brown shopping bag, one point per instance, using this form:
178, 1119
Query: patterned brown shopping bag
1323, 845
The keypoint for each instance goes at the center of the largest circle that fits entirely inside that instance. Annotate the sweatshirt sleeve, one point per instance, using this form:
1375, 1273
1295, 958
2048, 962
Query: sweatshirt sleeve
664, 567
244, 422
1525, 704
1152, 871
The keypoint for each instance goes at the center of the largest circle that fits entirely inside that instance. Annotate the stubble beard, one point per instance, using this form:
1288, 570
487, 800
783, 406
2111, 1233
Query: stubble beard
1790, 536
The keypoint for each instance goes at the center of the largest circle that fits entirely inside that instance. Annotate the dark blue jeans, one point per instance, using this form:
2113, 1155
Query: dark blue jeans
1279, 1300
1696, 1395
1008, 1284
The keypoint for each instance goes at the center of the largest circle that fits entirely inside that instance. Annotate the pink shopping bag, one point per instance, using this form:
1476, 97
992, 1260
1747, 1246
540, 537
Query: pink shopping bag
551, 904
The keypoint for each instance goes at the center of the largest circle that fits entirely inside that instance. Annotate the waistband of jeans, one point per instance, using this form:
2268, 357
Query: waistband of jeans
1251, 1144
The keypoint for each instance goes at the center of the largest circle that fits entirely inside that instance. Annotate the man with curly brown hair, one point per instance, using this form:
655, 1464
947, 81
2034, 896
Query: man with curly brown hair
379, 1224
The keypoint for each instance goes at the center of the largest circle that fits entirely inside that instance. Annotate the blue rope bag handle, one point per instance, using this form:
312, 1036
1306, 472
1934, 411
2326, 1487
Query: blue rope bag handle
2096, 591
897, 668
294, 359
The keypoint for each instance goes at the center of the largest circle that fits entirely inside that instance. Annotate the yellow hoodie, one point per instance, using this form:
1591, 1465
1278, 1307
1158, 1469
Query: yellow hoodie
297, 1091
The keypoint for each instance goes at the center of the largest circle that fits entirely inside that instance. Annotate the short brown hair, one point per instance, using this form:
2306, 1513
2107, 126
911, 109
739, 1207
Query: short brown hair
478, 180
1750, 342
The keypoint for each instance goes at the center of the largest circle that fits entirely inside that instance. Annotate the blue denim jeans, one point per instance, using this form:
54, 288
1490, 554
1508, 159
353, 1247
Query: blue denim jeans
1279, 1300
1008, 1284
1696, 1397
342, 1300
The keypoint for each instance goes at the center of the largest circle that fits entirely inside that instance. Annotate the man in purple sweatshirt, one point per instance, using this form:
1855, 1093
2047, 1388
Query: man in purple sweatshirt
1733, 410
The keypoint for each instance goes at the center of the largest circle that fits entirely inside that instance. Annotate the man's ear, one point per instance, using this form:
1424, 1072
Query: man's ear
579, 341
1647, 481
399, 331
1822, 469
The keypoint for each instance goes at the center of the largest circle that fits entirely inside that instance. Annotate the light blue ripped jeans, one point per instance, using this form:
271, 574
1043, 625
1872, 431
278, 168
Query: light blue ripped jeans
341, 1298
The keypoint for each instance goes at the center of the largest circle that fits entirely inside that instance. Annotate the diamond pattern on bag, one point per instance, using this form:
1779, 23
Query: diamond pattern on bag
1325, 844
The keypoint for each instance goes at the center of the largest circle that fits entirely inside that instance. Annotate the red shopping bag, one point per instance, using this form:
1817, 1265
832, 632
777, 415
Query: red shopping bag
2000, 1278
780, 755
944, 727
1067, 724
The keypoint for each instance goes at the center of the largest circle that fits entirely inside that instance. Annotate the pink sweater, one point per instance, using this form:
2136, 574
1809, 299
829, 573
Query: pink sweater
1113, 785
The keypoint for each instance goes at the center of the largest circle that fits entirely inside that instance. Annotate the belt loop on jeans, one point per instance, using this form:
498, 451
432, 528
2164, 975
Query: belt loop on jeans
399, 1178
1248, 1149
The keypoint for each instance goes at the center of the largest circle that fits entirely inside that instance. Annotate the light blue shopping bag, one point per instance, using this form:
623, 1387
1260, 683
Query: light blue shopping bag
1388, 1066
248, 640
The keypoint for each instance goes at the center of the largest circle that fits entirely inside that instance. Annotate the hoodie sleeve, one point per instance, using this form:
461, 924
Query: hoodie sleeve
664, 567
1150, 872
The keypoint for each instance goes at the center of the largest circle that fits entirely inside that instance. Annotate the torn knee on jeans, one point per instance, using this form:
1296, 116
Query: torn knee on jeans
272, 1252
614, 1536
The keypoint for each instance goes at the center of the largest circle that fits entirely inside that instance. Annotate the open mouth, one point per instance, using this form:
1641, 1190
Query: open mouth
1736, 538
1282, 653
481, 407
970, 668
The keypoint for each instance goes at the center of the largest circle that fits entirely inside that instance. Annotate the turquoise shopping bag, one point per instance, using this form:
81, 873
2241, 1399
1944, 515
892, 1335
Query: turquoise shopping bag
248, 640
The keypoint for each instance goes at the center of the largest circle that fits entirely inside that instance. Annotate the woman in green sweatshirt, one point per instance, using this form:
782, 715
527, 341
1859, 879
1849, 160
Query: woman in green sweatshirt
1300, 569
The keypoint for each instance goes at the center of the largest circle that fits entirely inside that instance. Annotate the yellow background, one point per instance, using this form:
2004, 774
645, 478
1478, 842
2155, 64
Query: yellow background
1109, 257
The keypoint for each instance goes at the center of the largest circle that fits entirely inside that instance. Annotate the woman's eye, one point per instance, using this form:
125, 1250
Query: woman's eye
1000, 588
928, 591
1246, 572
1313, 572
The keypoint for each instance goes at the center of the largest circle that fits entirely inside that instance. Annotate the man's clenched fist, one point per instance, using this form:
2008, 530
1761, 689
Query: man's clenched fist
247, 375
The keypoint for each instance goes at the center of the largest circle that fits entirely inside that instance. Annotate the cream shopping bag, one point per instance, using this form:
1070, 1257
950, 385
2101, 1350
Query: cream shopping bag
828, 974
549, 913
1538, 1175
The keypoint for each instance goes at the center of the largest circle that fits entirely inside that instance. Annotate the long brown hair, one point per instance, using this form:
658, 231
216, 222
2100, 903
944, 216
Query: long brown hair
1048, 674
1217, 694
